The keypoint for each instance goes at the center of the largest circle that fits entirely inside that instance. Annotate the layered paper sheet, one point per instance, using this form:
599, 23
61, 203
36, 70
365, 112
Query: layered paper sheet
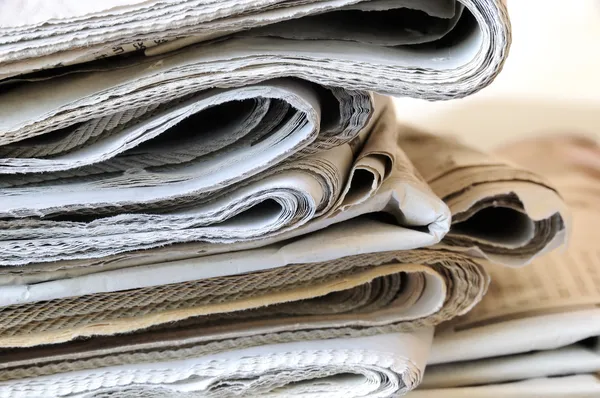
219, 200
355, 296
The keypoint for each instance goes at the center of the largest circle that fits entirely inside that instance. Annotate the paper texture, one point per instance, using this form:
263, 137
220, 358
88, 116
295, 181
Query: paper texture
351, 270
325, 246
381, 179
542, 332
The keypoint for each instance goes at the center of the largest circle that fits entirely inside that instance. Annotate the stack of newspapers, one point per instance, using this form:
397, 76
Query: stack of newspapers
213, 198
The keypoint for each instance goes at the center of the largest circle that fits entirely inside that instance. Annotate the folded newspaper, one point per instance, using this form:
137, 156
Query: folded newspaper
387, 291
377, 366
543, 320
500, 211
95, 211
346, 300
427, 48
580, 358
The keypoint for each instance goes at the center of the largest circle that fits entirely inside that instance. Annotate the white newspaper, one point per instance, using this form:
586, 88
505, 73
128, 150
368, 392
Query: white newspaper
430, 49
382, 179
220, 142
374, 366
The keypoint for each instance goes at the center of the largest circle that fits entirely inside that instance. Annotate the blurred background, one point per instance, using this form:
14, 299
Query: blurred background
550, 83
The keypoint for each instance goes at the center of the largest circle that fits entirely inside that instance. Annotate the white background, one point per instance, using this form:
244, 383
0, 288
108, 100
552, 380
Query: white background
550, 82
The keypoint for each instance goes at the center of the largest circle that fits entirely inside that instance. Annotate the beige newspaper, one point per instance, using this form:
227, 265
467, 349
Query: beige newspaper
190, 311
554, 301
500, 211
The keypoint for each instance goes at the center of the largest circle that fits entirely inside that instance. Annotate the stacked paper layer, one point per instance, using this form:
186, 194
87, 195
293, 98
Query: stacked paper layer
207, 198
